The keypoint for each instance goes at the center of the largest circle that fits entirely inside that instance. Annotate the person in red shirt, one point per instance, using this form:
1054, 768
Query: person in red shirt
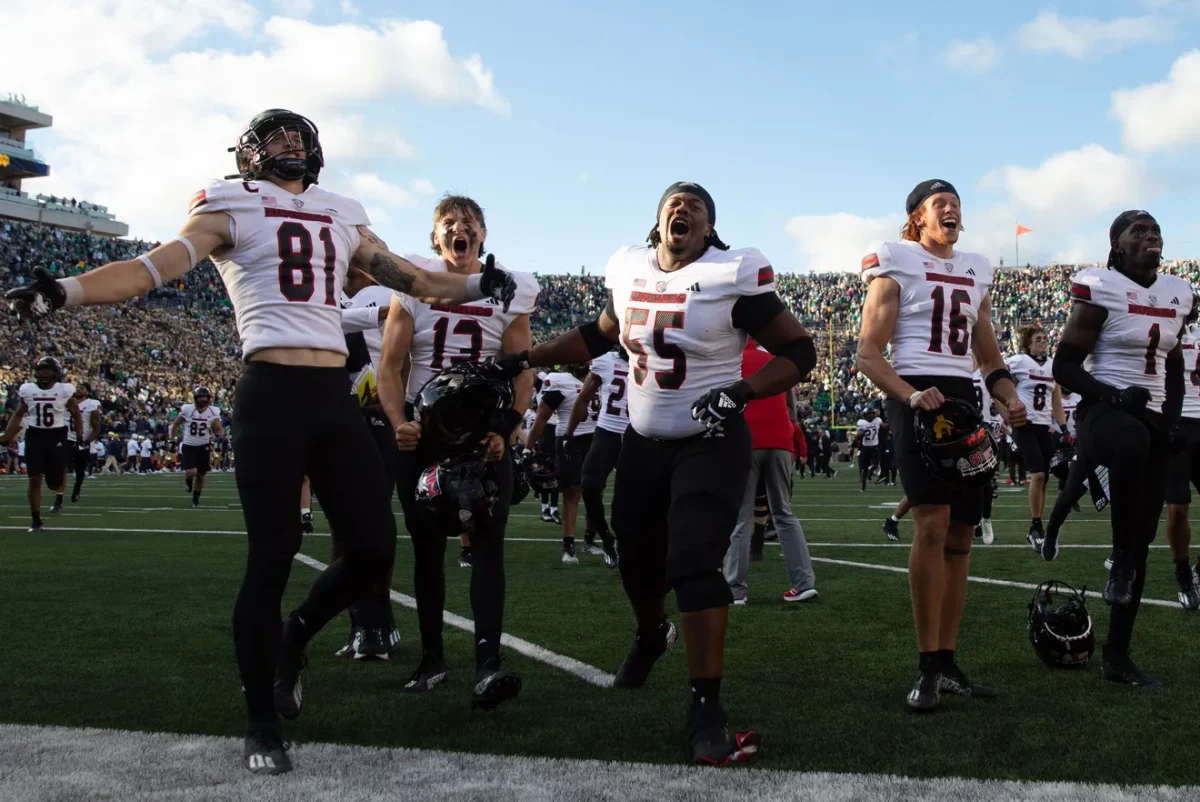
772, 433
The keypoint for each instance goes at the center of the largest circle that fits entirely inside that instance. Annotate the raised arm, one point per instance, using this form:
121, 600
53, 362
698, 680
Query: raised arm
582, 344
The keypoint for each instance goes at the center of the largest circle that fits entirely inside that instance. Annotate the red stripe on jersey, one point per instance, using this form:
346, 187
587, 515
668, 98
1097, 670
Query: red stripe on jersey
869, 261
766, 275
471, 311
314, 218
658, 298
199, 199
965, 281
1188, 347
1042, 379
1150, 311
1081, 291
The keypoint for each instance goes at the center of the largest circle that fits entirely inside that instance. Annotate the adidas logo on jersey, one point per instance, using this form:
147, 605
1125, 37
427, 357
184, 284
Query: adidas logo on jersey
694, 288
1174, 302
970, 271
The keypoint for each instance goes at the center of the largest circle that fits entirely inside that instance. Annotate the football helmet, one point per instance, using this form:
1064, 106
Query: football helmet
541, 472
49, 371
955, 444
253, 161
461, 493
201, 396
1060, 627
520, 480
458, 407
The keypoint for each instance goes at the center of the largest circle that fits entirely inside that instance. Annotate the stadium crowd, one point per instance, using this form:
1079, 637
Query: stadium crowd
143, 358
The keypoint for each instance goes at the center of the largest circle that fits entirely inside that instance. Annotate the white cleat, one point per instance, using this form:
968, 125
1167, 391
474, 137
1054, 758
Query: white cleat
989, 536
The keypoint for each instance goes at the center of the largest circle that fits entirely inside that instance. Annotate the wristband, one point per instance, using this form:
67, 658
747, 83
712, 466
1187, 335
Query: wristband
995, 376
73, 289
915, 393
475, 287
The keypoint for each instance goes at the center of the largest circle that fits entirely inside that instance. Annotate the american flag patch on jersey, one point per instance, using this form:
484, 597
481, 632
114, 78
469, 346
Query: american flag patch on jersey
199, 199
1081, 291
766, 275
869, 261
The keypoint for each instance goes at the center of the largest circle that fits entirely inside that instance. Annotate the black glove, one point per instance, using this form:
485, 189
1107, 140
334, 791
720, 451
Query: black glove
38, 298
496, 283
509, 365
1132, 399
716, 406
1176, 440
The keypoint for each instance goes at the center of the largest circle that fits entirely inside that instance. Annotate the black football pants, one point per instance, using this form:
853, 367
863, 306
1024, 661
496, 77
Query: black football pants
290, 422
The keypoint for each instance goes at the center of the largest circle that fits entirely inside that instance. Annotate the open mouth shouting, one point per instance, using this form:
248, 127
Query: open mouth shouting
459, 245
950, 223
679, 227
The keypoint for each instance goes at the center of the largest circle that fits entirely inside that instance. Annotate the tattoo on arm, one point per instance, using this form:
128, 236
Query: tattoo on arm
369, 236
384, 269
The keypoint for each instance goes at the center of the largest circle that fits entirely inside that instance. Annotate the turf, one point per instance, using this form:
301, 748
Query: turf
132, 630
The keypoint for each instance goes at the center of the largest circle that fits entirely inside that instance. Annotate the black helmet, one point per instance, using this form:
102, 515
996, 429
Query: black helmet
202, 392
520, 487
1064, 452
460, 493
51, 364
955, 444
541, 472
462, 404
253, 162
1060, 627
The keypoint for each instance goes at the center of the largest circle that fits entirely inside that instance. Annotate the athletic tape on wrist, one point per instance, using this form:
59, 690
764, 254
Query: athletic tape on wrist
144, 259
475, 287
73, 289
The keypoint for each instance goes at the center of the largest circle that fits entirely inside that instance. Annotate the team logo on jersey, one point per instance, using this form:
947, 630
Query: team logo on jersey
1174, 302
949, 267
694, 288
299, 204
661, 286
970, 271
1154, 300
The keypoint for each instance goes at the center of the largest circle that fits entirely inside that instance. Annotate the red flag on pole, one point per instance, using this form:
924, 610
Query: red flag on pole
1022, 229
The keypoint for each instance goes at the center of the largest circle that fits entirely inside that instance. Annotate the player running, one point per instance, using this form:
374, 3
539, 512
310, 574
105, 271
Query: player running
199, 421
79, 446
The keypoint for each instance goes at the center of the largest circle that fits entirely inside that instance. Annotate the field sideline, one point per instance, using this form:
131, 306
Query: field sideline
119, 614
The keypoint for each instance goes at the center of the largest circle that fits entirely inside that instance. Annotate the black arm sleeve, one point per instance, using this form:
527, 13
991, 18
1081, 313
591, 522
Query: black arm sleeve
1172, 407
1070, 373
751, 313
552, 399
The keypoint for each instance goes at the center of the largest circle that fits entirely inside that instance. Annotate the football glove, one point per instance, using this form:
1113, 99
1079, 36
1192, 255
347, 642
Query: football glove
1132, 399
38, 298
509, 365
716, 406
494, 282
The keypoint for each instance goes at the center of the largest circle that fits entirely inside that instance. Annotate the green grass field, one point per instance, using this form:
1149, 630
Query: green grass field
118, 616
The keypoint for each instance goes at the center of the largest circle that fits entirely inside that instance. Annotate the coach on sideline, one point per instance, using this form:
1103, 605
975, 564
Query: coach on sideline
771, 460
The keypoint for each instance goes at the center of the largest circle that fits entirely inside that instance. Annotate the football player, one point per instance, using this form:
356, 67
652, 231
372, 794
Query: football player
1127, 321
282, 246
49, 402
683, 308
80, 447
559, 394
1185, 471
433, 336
1033, 372
608, 380
984, 532
868, 430
199, 420
931, 304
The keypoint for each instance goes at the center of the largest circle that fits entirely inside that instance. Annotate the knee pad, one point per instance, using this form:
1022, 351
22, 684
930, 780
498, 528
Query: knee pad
704, 591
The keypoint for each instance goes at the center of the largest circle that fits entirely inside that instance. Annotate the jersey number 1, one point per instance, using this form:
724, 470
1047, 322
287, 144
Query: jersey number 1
960, 338
295, 256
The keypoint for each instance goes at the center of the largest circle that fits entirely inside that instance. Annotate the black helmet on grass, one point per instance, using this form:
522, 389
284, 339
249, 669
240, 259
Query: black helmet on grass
1060, 627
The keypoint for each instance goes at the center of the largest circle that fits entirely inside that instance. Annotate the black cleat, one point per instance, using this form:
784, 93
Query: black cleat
289, 665
611, 559
892, 530
568, 554
556, 517
1120, 668
376, 644
645, 652
1034, 537
925, 695
954, 681
756, 555
709, 738
1050, 546
494, 685
266, 753
1118, 590
74, 496
1189, 599
464, 558
547, 518
306, 523
351, 647
430, 673
57, 506
36, 525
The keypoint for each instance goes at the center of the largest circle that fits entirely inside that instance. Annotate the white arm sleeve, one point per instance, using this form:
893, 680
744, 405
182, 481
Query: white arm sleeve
363, 318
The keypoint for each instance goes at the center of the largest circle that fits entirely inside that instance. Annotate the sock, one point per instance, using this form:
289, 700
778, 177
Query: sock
553, 509
58, 498
928, 661
305, 511
466, 551
1037, 522
568, 542
706, 692
893, 518
545, 507
589, 536
945, 658
195, 496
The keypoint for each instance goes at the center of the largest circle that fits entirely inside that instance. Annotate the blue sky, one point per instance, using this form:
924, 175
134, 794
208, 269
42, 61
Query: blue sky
808, 123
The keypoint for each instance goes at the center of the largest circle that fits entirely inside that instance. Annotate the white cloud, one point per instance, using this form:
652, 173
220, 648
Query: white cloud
978, 56
1163, 114
369, 186
145, 109
348, 8
1080, 37
838, 241
421, 186
1075, 183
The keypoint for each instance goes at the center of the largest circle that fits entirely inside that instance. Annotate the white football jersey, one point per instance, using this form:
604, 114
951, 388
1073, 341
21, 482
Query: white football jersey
445, 335
939, 305
362, 383
614, 380
1191, 373
1143, 325
285, 272
85, 415
197, 423
678, 329
1035, 387
47, 408
559, 391
869, 429
1070, 402
983, 399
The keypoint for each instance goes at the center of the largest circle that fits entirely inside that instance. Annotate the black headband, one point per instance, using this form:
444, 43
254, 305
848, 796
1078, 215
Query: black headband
1125, 220
923, 190
695, 189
